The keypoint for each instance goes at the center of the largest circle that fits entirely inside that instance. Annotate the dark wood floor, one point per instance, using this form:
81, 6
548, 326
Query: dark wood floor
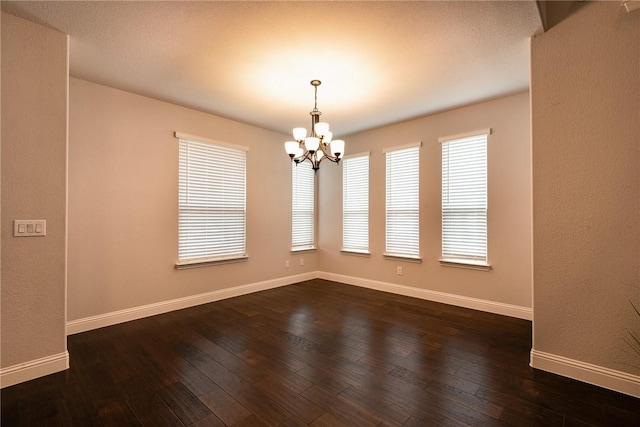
317, 353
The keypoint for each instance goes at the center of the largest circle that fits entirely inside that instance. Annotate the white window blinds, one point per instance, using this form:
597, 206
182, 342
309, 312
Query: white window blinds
303, 206
403, 202
464, 198
212, 205
355, 203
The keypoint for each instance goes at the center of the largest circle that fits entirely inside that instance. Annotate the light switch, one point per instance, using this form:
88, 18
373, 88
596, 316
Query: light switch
29, 227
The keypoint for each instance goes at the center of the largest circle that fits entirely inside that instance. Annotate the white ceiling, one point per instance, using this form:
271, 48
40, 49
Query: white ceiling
379, 62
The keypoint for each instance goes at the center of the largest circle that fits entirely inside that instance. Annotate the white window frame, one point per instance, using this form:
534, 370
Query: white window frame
464, 200
355, 204
303, 203
402, 202
212, 210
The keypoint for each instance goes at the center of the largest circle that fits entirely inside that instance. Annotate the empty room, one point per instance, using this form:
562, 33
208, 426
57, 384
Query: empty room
385, 213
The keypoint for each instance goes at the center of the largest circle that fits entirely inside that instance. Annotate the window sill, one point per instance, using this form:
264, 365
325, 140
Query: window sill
186, 264
407, 258
303, 250
355, 253
468, 264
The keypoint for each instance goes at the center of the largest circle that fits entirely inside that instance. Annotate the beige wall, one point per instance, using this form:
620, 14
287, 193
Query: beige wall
34, 157
123, 194
509, 227
585, 86
123, 210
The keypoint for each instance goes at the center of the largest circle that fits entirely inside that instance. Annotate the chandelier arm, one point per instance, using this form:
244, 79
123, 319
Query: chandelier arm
327, 153
315, 164
305, 156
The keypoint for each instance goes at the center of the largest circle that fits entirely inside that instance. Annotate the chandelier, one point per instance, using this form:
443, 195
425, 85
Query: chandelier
319, 144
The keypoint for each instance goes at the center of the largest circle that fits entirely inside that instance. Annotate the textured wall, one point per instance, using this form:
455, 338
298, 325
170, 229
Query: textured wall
34, 157
509, 217
586, 185
123, 203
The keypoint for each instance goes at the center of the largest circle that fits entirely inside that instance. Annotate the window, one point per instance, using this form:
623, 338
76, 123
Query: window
403, 202
211, 201
355, 203
303, 206
464, 198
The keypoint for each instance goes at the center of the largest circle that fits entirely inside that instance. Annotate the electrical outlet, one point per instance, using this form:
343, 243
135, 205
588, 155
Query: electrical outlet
301, 261
399, 271
286, 264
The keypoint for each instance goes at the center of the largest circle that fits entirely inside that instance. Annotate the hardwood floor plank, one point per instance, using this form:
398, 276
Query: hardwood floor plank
254, 400
76, 409
293, 422
285, 378
329, 420
426, 404
10, 415
315, 353
319, 377
476, 403
106, 397
377, 405
293, 402
341, 409
225, 407
117, 413
140, 360
183, 403
210, 421
618, 416
251, 421
433, 421
262, 405
531, 415
149, 407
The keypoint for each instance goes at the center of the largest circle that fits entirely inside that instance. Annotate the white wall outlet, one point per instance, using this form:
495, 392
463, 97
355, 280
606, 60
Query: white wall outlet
301, 261
29, 227
286, 264
399, 271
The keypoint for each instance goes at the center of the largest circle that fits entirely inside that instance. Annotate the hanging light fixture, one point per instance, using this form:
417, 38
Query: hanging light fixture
319, 144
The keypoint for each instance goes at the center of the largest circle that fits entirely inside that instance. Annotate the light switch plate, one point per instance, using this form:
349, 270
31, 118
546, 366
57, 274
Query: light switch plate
29, 227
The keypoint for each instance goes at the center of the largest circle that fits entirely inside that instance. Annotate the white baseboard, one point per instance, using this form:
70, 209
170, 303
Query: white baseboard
121, 316
586, 372
33, 369
452, 299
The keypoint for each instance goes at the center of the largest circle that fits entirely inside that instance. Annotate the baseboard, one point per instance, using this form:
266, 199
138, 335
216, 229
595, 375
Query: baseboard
33, 369
113, 318
121, 316
586, 372
458, 300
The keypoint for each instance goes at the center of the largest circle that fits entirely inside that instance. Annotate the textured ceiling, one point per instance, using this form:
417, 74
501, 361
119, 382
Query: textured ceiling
379, 62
